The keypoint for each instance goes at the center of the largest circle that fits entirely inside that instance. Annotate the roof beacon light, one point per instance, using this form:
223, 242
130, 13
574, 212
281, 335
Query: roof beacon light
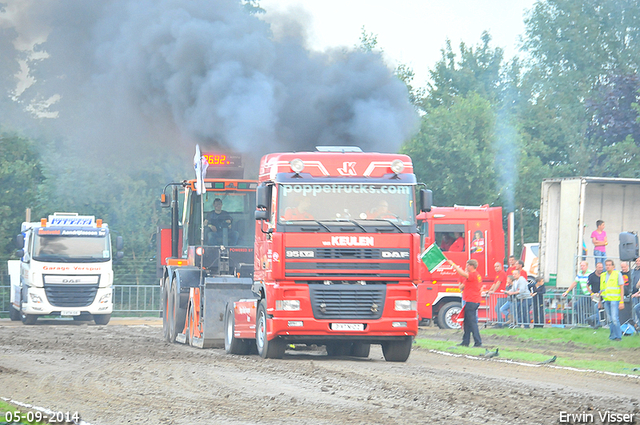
397, 166
297, 165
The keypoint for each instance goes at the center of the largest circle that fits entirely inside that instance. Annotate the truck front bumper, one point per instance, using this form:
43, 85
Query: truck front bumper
310, 329
35, 302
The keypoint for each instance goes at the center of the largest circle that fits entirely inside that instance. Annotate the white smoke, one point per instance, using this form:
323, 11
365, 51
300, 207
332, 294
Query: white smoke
134, 75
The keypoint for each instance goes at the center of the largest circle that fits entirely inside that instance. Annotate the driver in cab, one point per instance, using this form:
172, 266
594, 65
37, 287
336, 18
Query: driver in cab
300, 212
381, 211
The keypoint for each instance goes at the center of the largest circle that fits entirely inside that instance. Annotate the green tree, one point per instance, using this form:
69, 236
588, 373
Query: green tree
454, 152
476, 70
574, 48
21, 180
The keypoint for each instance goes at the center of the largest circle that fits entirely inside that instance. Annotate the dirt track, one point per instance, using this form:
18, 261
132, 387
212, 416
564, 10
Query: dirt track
125, 373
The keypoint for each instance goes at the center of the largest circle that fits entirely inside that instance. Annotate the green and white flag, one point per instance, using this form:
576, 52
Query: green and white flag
432, 257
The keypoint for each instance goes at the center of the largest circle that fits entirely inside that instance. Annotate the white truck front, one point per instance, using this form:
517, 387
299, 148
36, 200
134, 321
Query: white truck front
66, 268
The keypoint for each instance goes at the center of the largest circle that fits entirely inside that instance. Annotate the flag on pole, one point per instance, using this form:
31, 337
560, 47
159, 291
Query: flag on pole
432, 257
460, 317
200, 165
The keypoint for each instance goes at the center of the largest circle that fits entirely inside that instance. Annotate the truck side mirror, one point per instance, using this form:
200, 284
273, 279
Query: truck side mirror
165, 200
119, 243
20, 253
263, 196
262, 215
119, 255
426, 200
19, 241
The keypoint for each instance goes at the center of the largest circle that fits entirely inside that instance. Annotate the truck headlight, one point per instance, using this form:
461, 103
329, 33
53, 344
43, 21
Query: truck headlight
288, 305
406, 305
35, 298
105, 298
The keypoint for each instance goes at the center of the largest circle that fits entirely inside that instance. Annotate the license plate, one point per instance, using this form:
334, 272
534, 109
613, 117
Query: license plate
70, 313
347, 326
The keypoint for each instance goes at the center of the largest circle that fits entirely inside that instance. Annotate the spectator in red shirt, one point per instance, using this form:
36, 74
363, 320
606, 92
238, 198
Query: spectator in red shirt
499, 285
512, 264
519, 267
500, 282
471, 295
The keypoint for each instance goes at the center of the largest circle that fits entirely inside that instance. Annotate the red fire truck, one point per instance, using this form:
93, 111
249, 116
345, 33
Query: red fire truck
334, 259
336, 255
462, 233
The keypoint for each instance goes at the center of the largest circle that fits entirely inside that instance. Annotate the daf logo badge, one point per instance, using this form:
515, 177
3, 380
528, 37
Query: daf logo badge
70, 280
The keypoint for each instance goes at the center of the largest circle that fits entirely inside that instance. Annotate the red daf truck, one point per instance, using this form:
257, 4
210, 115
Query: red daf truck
330, 257
462, 233
336, 255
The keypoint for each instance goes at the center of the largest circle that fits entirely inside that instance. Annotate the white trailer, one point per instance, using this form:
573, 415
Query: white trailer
65, 269
569, 210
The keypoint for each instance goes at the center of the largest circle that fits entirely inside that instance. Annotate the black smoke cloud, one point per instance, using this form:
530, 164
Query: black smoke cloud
134, 75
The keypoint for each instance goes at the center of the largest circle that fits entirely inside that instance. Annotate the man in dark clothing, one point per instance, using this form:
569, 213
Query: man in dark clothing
594, 288
217, 223
538, 290
470, 287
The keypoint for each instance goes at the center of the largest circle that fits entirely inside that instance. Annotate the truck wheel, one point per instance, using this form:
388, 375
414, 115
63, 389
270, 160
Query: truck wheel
360, 349
447, 314
233, 345
177, 315
398, 350
338, 349
14, 314
165, 312
101, 319
273, 349
28, 319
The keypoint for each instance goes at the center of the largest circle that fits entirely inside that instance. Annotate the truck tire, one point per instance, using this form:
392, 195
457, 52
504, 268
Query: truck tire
165, 311
273, 349
101, 319
446, 313
28, 319
360, 349
233, 345
177, 315
14, 314
338, 349
398, 350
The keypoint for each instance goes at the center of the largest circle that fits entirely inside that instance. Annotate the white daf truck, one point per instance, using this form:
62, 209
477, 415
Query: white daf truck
65, 269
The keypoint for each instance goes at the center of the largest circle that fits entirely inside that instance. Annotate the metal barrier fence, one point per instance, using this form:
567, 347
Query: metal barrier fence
126, 299
552, 309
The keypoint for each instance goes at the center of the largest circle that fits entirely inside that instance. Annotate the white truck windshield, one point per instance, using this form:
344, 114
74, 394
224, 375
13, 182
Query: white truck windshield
361, 202
54, 248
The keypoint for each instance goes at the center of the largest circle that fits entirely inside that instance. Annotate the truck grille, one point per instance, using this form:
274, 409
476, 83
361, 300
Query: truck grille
70, 295
362, 302
348, 253
365, 263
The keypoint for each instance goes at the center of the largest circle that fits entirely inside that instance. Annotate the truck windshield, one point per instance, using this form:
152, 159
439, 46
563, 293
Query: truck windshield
71, 249
362, 203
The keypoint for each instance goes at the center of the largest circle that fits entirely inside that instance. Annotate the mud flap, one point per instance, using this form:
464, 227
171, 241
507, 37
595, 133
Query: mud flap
218, 292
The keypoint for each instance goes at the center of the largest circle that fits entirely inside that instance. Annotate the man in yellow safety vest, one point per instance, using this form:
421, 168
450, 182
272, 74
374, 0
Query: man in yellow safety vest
612, 292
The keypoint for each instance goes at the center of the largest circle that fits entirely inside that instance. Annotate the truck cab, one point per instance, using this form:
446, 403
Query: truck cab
462, 233
335, 254
65, 269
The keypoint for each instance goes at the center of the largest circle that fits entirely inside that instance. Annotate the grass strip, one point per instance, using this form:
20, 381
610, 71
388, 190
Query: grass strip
527, 356
8, 412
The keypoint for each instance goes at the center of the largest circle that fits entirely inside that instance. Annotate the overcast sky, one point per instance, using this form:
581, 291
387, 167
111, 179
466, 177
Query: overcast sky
409, 31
